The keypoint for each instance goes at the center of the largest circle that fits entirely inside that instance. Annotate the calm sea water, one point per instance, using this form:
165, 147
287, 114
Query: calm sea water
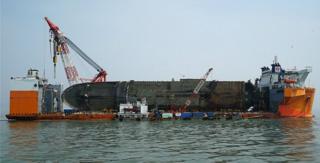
166, 141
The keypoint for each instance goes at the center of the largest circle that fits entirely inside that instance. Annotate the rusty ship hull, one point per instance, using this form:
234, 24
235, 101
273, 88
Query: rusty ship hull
162, 95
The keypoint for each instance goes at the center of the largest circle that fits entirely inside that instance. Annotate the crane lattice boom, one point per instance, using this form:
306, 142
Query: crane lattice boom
60, 47
196, 89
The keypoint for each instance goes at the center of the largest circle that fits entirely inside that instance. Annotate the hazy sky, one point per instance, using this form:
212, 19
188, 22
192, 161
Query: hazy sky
162, 39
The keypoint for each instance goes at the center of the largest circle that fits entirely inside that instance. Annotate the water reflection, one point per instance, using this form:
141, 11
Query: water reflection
23, 139
299, 136
176, 141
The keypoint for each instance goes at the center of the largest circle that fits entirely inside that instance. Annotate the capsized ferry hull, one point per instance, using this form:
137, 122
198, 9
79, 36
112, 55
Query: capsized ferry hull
297, 102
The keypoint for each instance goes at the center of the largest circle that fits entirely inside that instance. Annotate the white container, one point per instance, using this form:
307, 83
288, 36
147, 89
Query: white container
144, 109
124, 106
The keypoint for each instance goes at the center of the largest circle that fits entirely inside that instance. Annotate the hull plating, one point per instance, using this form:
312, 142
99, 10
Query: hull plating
213, 96
297, 102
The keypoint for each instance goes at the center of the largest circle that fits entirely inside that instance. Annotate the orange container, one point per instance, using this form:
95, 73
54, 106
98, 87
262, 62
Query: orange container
23, 102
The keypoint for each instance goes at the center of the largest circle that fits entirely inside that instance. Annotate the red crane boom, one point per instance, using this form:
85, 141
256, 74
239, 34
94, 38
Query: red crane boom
196, 90
60, 45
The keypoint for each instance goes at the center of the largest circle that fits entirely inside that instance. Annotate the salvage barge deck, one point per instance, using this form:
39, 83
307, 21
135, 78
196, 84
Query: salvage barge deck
61, 116
113, 116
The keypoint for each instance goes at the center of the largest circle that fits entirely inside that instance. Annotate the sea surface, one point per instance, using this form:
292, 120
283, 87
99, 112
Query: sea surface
261, 140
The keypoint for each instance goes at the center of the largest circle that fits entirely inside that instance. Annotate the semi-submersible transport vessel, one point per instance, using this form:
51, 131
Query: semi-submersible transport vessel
277, 93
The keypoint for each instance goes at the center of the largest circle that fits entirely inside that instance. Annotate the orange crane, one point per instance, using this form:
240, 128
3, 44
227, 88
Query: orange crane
60, 44
196, 90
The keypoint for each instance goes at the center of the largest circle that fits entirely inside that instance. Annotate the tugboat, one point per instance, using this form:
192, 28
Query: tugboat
285, 92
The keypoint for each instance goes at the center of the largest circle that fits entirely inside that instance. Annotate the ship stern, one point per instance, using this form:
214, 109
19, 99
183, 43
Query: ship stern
297, 102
